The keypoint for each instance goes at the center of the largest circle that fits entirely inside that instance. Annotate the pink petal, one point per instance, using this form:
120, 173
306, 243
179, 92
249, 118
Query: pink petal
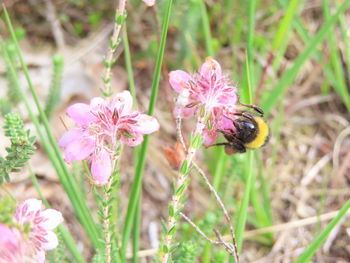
101, 167
69, 136
210, 68
209, 136
81, 114
7, 237
146, 124
97, 102
27, 209
52, 241
149, 2
53, 219
226, 124
135, 140
32, 204
123, 101
79, 149
179, 80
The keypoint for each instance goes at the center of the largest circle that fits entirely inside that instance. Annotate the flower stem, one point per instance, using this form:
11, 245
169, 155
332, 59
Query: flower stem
120, 17
176, 204
106, 217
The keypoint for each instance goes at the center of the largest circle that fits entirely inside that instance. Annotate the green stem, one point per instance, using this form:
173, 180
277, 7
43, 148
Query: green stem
206, 29
181, 183
128, 65
137, 183
243, 211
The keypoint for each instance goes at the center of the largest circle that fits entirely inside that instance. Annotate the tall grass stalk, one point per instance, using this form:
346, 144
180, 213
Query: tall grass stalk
136, 186
243, 210
132, 88
206, 29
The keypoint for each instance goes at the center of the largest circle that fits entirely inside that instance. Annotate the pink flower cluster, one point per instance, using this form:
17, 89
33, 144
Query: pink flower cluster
209, 89
33, 234
100, 126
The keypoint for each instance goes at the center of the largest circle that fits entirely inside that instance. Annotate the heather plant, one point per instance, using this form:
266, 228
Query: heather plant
111, 134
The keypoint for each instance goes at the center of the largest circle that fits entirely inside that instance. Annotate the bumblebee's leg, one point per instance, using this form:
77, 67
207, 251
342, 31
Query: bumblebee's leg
228, 135
238, 146
220, 144
244, 114
256, 108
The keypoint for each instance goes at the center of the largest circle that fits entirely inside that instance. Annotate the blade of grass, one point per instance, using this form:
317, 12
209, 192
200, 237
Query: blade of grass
136, 232
250, 41
318, 241
220, 169
243, 211
50, 145
280, 42
336, 62
206, 29
344, 32
304, 34
132, 88
128, 64
66, 236
285, 25
136, 186
274, 95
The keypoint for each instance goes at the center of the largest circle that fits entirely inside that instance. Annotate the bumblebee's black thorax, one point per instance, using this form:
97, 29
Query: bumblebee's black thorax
247, 130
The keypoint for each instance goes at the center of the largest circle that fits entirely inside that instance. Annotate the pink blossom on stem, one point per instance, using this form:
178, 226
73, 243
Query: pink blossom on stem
209, 90
99, 127
38, 224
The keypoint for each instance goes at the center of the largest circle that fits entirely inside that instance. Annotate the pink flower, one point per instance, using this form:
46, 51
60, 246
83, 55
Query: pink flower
208, 89
38, 225
100, 126
13, 248
149, 2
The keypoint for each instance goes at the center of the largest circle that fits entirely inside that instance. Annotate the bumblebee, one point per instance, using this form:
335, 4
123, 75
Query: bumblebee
251, 132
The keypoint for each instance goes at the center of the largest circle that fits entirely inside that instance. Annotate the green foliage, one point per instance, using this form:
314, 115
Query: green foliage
187, 252
53, 97
22, 147
7, 209
5, 106
106, 202
58, 255
12, 91
94, 18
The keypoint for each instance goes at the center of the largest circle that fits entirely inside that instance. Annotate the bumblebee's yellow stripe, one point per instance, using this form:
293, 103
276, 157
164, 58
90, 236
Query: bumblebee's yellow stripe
262, 135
